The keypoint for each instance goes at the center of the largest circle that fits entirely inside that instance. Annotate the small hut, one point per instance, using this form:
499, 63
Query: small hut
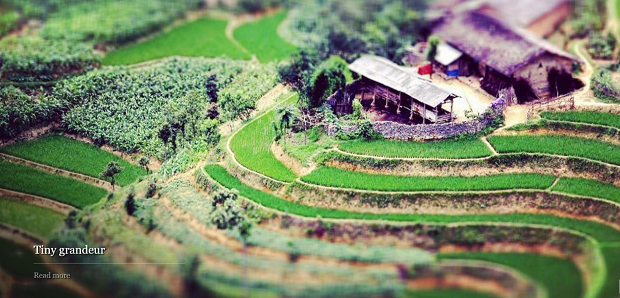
390, 84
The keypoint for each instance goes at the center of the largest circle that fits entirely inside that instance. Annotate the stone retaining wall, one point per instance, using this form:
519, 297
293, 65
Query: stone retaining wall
398, 131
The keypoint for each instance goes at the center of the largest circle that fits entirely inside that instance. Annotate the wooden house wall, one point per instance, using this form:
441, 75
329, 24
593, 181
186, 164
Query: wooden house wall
536, 73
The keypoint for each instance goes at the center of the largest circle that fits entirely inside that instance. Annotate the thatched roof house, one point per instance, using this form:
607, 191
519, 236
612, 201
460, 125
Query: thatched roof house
501, 46
540, 17
504, 53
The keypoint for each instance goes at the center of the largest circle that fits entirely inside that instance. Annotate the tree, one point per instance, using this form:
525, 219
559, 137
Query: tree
144, 162
431, 51
212, 88
110, 171
297, 72
285, 115
130, 204
326, 80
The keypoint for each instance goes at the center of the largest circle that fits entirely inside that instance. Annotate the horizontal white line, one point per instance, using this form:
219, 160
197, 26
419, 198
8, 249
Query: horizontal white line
109, 263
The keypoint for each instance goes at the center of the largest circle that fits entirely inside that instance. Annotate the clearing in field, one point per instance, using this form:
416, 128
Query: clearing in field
72, 155
205, 37
262, 39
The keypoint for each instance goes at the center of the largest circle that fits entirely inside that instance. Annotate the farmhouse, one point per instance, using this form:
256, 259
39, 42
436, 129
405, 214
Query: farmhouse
504, 55
539, 17
384, 83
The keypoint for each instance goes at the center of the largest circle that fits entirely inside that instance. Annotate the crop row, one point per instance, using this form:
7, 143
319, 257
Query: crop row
599, 231
591, 117
349, 179
469, 148
66, 190
125, 108
75, 156
558, 145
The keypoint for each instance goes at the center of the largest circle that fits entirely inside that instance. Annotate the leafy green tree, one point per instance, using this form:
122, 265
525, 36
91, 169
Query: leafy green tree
110, 171
327, 79
296, 73
212, 88
285, 116
130, 204
431, 51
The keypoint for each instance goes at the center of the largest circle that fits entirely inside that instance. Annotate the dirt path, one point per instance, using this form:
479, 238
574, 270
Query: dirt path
515, 114
234, 23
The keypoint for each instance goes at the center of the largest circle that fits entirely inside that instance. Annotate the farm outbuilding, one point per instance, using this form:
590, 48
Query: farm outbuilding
388, 84
539, 17
507, 56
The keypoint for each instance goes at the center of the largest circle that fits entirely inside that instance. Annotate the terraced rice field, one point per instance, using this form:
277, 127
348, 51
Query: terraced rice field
446, 293
588, 188
261, 38
355, 180
590, 117
65, 190
558, 145
560, 277
471, 148
252, 147
72, 155
219, 174
34, 219
205, 37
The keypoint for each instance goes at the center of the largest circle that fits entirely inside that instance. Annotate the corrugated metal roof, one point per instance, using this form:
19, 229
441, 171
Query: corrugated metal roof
446, 54
389, 74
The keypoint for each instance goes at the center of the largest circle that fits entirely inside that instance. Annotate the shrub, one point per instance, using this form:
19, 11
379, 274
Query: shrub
238, 99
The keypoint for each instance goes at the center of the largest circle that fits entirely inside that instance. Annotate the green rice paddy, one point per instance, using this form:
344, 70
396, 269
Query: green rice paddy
72, 155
